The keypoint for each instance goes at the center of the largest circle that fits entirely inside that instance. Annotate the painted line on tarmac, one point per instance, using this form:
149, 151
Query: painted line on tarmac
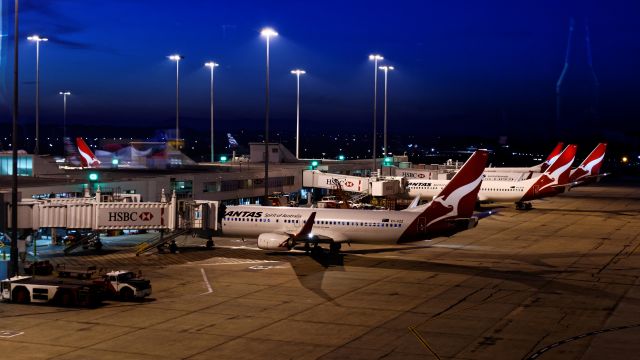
423, 341
541, 351
206, 282
10, 333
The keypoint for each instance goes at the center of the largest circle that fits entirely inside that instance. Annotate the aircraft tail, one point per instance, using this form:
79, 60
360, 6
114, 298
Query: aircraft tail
590, 167
555, 179
458, 198
87, 157
553, 156
452, 209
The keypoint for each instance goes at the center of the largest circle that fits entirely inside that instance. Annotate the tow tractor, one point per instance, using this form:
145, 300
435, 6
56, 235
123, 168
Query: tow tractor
125, 285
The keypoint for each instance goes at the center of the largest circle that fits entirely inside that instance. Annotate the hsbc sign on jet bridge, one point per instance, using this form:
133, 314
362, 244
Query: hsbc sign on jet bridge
136, 217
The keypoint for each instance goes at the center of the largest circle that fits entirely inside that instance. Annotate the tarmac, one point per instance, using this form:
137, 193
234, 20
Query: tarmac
556, 282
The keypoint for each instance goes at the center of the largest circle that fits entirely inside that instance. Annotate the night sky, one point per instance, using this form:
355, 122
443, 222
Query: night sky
469, 67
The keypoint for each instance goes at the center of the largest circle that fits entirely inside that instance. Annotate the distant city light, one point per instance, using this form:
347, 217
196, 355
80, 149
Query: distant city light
625, 159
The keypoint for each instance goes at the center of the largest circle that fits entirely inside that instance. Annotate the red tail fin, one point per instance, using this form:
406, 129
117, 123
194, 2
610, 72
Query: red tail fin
556, 174
458, 198
552, 157
455, 203
87, 157
590, 167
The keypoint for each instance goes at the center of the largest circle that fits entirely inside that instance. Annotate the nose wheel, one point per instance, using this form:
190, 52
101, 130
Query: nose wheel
523, 205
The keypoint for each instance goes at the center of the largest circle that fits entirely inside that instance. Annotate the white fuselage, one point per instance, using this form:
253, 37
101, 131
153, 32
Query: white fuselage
341, 225
496, 191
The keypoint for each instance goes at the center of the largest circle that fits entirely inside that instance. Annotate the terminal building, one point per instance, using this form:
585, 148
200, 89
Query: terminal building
238, 181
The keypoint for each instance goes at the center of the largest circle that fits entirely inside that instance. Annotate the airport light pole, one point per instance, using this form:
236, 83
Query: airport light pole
37, 39
177, 58
64, 112
375, 58
211, 65
297, 73
14, 150
386, 70
268, 33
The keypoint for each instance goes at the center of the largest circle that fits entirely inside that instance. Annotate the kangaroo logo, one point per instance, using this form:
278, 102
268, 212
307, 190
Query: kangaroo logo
453, 199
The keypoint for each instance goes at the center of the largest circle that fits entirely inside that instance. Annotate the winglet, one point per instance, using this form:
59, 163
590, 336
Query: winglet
306, 229
555, 153
87, 158
414, 203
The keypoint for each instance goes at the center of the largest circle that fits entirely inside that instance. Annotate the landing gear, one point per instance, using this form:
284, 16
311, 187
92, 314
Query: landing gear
209, 244
523, 205
334, 248
173, 247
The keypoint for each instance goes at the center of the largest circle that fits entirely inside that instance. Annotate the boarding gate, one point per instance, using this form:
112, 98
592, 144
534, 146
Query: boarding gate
171, 216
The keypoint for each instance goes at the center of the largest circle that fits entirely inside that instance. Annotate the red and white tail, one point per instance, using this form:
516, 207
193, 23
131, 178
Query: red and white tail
458, 198
555, 153
87, 157
452, 208
590, 167
555, 178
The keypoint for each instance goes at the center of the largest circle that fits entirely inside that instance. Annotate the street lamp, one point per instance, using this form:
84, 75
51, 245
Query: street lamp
177, 58
268, 33
297, 73
211, 65
386, 70
64, 123
37, 40
375, 58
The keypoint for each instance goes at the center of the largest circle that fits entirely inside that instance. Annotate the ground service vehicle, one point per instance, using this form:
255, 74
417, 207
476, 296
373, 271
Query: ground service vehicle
25, 290
126, 285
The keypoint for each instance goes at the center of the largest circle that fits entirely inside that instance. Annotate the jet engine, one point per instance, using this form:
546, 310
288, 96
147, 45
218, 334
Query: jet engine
467, 223
271, 241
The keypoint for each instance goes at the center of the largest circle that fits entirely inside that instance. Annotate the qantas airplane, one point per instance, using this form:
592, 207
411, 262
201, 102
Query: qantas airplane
552, 182
87, 158
589, 170
282, 228
555, 153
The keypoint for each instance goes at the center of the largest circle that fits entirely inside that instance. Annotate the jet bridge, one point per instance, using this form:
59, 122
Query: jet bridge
367, 185
95, 214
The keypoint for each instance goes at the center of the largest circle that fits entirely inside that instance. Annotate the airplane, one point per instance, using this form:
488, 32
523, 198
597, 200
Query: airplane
87, 158
553, 156
589, 169
552, 182
282, 228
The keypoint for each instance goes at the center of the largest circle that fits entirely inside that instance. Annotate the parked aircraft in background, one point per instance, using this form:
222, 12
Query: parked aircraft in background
282, 228
552, 182
589, 169
87, 158
553, 156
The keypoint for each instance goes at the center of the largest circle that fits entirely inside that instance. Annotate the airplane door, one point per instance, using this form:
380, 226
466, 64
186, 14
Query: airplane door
422, 224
